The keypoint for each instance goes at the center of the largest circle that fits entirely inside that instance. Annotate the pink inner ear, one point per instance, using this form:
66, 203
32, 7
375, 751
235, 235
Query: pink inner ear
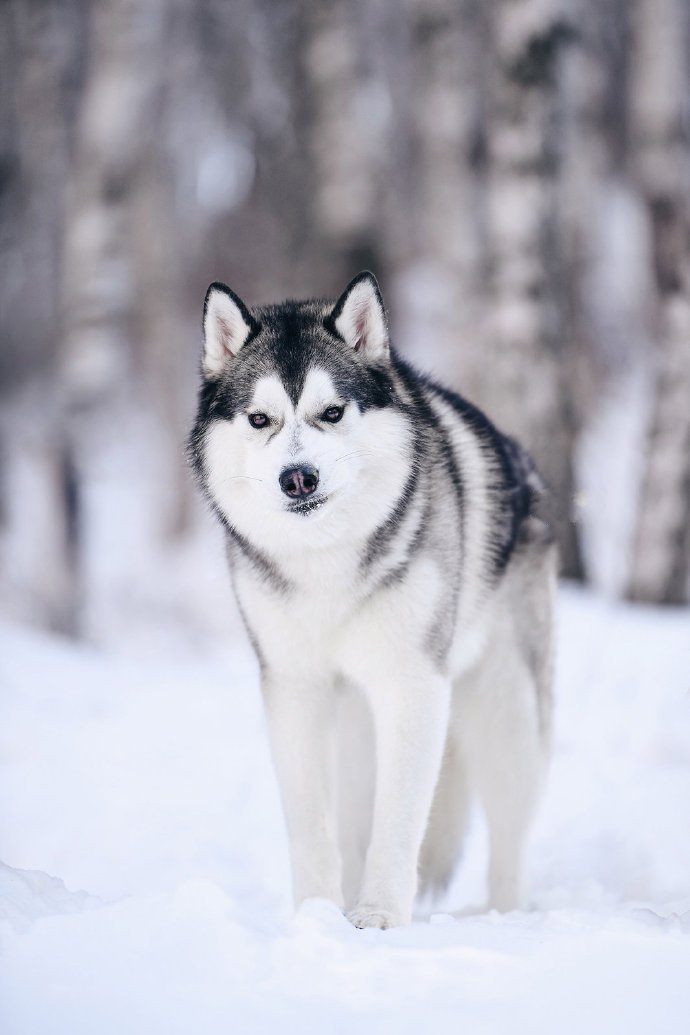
225, 333
360, 327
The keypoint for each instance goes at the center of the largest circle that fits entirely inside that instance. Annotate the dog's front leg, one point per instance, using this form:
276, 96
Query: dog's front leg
300, 724
410, 718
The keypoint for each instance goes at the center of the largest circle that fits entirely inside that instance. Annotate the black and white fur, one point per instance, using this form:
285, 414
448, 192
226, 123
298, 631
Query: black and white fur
400, 608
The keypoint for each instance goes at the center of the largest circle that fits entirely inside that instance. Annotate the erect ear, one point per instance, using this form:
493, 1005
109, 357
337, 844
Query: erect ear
227, 327
360, 319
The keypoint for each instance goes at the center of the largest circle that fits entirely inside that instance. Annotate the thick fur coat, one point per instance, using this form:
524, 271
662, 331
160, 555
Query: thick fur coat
392, 556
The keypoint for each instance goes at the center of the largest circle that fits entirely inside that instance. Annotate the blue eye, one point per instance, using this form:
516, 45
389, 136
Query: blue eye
258, 420
333, 414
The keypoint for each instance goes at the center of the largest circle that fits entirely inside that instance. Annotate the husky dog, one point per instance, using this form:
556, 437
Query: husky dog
393, 560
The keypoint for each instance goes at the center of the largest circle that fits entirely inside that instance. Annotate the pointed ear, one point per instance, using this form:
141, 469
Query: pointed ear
227, 327
359, 317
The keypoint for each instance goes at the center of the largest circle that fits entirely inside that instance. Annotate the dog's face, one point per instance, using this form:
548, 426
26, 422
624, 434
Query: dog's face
298, 416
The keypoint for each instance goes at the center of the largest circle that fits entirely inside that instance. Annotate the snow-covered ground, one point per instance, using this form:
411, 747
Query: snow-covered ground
146, 886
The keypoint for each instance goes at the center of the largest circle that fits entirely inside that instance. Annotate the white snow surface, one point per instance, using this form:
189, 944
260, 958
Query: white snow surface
144, 786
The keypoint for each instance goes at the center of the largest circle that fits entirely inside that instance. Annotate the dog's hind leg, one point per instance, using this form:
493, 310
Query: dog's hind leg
445, 832
506, 759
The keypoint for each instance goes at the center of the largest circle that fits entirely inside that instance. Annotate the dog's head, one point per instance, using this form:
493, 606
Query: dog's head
298, 415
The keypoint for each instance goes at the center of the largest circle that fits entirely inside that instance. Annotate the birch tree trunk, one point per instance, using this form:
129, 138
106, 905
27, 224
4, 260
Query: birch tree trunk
99, 284
439, 257
525, 382
348, 125
661, 553
42, 56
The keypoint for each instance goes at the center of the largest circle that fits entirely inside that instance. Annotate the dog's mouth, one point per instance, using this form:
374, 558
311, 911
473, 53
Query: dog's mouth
308, 506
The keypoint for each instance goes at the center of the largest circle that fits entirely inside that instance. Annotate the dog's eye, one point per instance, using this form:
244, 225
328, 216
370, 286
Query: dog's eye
258, 420
333, 414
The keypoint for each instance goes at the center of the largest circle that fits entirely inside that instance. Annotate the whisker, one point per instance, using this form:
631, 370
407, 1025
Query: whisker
242, 478
350, 456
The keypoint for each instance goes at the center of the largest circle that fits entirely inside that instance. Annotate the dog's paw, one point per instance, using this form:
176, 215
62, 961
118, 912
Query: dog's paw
370, 916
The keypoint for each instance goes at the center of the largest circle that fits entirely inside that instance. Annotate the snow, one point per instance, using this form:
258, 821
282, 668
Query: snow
146, 881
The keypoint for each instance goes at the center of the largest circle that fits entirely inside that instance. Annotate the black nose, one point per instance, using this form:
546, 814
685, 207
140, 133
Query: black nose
297, 482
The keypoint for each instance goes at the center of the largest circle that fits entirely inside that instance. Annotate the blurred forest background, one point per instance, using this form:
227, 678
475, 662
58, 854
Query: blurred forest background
515, 172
